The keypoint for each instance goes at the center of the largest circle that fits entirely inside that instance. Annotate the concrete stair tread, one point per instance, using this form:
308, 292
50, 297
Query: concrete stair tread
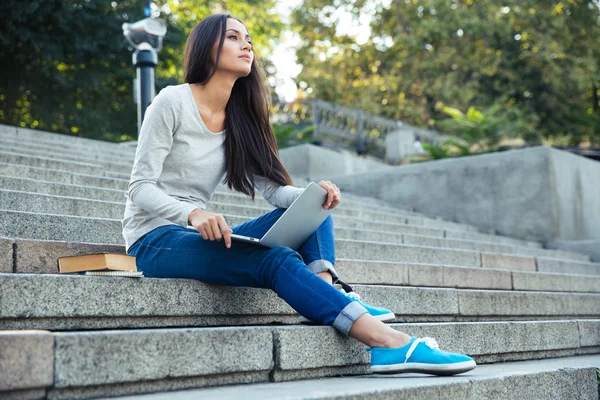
118, 196
114, 163
39, 257
73, 229
556, 378
34, 301
427, 222
113, 362
51, 139
73, 206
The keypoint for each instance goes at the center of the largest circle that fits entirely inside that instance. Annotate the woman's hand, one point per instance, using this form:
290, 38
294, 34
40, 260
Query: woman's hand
211, 226
333, 194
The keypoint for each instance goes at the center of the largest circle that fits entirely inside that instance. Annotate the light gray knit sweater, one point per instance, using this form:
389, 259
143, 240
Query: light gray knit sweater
178, 165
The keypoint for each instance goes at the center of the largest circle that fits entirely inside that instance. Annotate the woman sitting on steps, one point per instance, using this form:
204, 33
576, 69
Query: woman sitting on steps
216, 126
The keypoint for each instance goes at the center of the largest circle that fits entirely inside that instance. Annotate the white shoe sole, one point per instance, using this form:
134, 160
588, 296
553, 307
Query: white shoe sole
383, 317
433, 369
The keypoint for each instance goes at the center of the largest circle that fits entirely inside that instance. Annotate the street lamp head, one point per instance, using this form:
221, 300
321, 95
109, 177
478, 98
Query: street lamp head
144, 31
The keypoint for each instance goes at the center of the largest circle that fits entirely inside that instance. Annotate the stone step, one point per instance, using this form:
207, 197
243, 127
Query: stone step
38, 202
563, 266
221, 196
60, 141
50, 163
39, 257
103, 182
345, 218
14, 171
111, 163
31, 179
572, 378
118, 362
70, 302
62, 177
26, 225
464, 232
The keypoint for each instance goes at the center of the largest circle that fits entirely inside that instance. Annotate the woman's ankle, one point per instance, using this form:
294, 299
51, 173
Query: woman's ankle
326, 276
395, 340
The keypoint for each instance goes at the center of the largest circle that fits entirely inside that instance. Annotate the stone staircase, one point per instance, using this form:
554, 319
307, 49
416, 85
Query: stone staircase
495, 298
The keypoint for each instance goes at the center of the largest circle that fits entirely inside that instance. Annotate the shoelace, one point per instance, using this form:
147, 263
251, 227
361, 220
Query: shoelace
429, 342
352, 295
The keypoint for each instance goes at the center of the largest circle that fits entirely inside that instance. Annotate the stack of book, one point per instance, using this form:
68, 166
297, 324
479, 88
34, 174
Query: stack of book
101, 264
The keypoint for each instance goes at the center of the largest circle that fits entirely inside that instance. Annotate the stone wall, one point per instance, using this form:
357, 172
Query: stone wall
538, 193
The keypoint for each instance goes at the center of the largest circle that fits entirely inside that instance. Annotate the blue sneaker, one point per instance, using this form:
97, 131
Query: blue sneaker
382, 314
419, 355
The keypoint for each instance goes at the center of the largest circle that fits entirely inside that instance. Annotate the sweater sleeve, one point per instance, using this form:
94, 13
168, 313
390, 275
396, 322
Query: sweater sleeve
154, 144
275, 194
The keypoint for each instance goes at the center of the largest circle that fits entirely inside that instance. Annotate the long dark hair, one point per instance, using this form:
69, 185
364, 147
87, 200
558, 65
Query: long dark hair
250, 145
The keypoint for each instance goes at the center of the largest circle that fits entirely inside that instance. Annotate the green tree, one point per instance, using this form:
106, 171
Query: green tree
540, 57
66, 66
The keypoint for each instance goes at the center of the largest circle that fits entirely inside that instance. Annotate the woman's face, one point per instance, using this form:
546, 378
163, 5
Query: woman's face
237, 55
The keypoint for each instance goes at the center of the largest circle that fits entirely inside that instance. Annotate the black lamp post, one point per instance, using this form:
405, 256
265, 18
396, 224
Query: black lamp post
145, 58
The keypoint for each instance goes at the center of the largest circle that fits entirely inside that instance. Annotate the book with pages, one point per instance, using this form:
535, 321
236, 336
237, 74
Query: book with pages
100, 264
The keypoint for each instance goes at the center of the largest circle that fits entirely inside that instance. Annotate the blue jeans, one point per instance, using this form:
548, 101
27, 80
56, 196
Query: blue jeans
172, 251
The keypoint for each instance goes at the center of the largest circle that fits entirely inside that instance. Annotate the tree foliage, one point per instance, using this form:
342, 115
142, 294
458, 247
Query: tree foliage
538, 60
66, 66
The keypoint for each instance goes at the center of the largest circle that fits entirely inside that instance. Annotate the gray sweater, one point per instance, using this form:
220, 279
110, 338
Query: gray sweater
178, 165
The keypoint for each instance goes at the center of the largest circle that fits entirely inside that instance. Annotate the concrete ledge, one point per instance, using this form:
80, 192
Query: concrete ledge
312, 162
591, 247
539, 194
26, 360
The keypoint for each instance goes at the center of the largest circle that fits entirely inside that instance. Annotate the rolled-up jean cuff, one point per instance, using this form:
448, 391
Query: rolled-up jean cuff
347, 316
322, 266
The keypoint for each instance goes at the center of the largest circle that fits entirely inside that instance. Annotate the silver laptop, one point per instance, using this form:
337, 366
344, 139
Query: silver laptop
297, 223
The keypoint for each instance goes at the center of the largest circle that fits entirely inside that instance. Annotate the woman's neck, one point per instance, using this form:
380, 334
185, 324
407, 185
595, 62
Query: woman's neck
215, 94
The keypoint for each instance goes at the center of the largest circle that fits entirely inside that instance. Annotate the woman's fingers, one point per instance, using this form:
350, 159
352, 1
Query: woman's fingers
226, 231
333, 195
202, 231
214, 225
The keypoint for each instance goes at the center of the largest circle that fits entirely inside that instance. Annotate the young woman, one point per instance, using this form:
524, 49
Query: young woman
216, 127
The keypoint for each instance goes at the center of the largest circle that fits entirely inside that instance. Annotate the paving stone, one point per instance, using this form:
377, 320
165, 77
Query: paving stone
459, 277
40, 257
506, 261
101, 358
362, 250
555, 282
26, 360
527, 304
567, 266
372, 272
51, 163
589, 332
6, 255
